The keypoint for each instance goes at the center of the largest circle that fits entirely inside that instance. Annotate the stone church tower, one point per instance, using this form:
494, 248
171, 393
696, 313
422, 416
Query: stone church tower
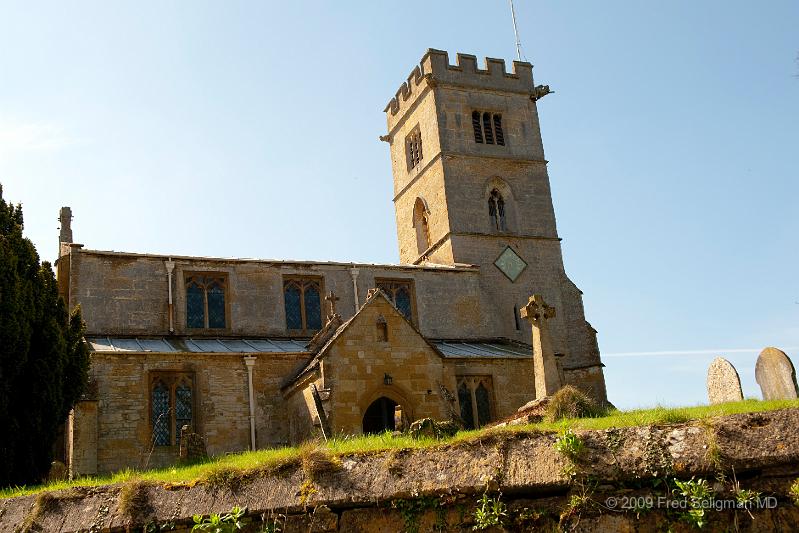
471, 187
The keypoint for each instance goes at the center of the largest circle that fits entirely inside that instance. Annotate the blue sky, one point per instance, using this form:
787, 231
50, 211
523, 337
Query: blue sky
250, 129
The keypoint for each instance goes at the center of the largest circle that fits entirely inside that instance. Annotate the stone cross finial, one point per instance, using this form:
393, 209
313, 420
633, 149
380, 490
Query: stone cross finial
537, 309
547, 374
331, 300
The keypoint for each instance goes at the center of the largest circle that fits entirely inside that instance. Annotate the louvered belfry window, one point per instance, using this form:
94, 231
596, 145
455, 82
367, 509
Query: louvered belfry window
488, 128
413, 148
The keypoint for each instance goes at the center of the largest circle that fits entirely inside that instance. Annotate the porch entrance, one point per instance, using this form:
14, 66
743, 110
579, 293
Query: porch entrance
379, 416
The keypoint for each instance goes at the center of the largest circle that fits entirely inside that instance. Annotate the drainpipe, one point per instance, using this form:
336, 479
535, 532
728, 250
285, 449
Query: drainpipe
354, 274
170, 266
249, 362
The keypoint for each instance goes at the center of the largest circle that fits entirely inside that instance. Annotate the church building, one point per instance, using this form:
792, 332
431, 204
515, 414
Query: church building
261, 353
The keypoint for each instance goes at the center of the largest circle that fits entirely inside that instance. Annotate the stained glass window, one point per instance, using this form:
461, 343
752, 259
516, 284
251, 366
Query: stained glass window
483, 405
303, 304
171, 406
160, 414
205, 301
400, 293
465, 400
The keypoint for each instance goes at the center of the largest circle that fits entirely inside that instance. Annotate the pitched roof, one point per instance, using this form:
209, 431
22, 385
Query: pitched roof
314, 361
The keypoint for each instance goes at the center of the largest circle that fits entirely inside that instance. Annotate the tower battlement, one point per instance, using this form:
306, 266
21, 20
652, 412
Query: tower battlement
436, 68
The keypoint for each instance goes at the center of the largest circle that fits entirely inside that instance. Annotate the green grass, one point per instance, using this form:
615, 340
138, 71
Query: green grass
273, 459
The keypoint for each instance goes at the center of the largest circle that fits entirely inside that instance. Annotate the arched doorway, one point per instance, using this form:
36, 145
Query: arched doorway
379, 416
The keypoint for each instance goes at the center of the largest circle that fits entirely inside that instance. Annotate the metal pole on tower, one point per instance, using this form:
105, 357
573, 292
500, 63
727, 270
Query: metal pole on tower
516, 32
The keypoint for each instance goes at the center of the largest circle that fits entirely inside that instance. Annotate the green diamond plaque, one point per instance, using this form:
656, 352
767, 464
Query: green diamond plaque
510, 264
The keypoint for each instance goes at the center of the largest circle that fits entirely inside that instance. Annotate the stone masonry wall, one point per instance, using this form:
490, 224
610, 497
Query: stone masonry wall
437, 489
126, 294
221, 405
356, 364
512, 380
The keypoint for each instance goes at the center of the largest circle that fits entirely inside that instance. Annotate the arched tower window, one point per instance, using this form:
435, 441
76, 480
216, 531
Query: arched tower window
421, 225
496, 211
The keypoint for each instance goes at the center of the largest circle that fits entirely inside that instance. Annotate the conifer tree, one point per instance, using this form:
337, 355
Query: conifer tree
43, 359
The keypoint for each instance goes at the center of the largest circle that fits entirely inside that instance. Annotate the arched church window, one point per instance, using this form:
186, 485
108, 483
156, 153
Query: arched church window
496, 211
400, 292
161, 419
302, 303
205, 300
171, 406
474, 397
420, 224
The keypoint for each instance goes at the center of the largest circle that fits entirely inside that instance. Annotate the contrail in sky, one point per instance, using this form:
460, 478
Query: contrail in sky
721, 351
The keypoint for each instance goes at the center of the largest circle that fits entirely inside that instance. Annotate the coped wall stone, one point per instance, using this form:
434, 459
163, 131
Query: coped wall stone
441, 486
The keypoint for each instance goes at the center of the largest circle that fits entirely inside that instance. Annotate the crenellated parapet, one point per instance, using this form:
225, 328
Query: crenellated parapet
436, 69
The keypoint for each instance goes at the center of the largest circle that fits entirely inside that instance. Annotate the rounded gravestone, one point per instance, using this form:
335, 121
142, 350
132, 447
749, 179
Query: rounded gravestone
723, 383
775, 374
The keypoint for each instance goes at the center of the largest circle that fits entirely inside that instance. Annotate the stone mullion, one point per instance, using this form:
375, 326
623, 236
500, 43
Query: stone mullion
475, 418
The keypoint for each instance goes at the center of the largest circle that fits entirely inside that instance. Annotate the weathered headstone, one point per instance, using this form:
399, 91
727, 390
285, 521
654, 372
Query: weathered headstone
192, 445
723, 382
775, 374
547, 374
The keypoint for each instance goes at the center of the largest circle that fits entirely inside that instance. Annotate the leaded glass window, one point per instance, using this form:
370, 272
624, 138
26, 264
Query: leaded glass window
474, 397
171, 406
303, 304
205, 301
160, 414
291, 295
216, 305
195, 306
182, 408
400, 292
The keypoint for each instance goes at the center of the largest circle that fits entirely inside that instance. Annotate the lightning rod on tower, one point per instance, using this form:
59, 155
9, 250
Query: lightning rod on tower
516, 32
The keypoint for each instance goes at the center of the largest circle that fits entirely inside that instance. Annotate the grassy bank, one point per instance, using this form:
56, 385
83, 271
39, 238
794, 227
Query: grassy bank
267, 460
